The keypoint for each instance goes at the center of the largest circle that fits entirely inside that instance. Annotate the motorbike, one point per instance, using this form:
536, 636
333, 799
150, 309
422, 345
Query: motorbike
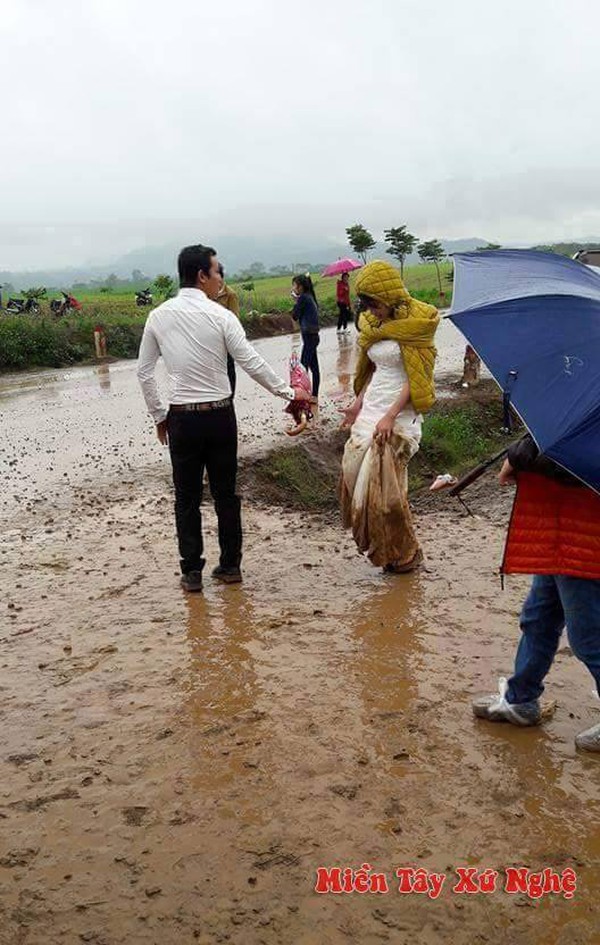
65, 305
23, 307
143, 298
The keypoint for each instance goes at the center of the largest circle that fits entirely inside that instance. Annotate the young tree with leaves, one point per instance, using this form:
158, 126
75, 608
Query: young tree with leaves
35, 294
360, 240
401, 243
164, 285
432, 251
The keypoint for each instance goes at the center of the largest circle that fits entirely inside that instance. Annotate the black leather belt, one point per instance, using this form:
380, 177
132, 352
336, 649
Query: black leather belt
210, 405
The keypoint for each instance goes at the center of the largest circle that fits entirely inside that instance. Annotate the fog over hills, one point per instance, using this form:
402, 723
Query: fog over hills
237, 254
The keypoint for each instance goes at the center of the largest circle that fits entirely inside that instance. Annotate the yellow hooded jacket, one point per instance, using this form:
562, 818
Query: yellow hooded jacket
413, 326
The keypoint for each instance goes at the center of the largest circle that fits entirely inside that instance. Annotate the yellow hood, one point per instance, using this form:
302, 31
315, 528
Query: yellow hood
413, 326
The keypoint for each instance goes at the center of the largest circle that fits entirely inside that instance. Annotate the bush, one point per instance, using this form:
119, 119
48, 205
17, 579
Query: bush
35, 342
48, 342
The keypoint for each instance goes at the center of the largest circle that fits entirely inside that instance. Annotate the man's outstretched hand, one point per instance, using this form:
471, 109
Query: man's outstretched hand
161, 432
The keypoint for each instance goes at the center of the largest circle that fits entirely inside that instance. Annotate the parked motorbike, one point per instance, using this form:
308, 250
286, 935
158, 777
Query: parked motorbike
143, 298
23, 307
65, 305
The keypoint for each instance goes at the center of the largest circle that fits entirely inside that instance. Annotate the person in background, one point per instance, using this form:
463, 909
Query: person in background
229, 300
554, 534
194, 335
342, 295
306, 313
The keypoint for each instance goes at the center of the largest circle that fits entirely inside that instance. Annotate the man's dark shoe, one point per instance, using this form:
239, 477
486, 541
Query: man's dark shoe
192, 581
227, 575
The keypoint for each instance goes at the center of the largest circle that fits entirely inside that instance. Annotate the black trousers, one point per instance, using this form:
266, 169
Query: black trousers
345, 315
309, 360
199, 440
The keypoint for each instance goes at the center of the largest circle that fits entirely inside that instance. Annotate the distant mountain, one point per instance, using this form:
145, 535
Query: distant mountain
237, 254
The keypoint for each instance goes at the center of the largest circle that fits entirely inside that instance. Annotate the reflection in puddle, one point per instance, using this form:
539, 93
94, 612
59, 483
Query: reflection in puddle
344, 367
102, 372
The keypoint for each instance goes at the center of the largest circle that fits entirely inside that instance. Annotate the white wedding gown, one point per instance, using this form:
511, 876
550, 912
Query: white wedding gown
384, 388
374, 486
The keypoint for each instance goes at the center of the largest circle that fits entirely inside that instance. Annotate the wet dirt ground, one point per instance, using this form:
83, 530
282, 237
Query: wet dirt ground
176, 768
81, 425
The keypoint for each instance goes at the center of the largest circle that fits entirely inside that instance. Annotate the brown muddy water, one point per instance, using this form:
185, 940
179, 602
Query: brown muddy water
177, 768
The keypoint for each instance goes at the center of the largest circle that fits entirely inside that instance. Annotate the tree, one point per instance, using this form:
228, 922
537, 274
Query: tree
432, 251
257, 270
164, 285
360, 240
111, 281
479, 249
37, 293
401, 243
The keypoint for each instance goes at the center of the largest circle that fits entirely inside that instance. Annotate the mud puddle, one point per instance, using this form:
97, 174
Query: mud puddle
175, 769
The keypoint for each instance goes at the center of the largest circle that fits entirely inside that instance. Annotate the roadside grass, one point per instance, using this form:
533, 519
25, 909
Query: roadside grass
457, 435
454, 438
295, 475
45, 342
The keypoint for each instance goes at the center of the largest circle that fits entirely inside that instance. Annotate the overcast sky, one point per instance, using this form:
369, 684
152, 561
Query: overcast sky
123, 119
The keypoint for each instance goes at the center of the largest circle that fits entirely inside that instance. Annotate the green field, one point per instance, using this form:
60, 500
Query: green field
272, 293
46, 341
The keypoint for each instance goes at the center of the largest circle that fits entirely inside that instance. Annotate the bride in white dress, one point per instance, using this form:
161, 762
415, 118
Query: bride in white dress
385, 434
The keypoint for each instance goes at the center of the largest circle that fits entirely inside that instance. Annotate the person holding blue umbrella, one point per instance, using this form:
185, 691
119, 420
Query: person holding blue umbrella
534, 319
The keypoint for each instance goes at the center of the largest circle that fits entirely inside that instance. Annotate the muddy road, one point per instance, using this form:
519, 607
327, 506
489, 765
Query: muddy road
175, 769
86, 425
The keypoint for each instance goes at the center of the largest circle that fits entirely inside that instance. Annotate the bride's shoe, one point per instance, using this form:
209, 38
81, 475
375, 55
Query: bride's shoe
395, 567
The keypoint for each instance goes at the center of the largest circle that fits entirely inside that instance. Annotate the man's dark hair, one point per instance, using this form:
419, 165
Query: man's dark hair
191, 261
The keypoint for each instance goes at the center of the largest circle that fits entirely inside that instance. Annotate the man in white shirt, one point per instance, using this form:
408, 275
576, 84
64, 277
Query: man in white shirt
194, 335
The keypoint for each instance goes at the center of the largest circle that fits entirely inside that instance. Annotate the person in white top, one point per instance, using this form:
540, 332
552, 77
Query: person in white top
194, 335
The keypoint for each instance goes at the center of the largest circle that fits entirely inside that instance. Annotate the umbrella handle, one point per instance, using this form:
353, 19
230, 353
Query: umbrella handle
506, 395
475, 473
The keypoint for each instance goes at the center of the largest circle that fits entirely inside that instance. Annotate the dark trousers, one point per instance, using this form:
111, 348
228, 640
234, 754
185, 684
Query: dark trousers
345, 315
199, 440
309, 360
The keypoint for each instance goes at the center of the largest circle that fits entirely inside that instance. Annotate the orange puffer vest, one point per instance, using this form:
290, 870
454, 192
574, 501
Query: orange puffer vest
554, 529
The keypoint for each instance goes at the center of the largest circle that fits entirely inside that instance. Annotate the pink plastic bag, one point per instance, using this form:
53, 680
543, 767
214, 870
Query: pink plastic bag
299, 409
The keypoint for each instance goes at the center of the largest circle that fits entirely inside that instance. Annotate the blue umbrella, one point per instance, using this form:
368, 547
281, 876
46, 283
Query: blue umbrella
534, 319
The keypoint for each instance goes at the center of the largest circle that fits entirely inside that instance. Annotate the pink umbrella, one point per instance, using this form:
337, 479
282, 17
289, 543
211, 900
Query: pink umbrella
341, 265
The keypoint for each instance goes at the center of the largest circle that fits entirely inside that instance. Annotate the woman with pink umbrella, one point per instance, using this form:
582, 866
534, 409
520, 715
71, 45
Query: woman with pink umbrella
341, 268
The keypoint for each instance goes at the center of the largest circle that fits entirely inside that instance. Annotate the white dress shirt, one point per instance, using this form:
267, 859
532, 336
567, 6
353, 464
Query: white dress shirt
194, 335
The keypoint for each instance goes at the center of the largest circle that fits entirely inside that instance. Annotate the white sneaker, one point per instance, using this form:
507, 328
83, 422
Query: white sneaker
589, 740
495, 708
